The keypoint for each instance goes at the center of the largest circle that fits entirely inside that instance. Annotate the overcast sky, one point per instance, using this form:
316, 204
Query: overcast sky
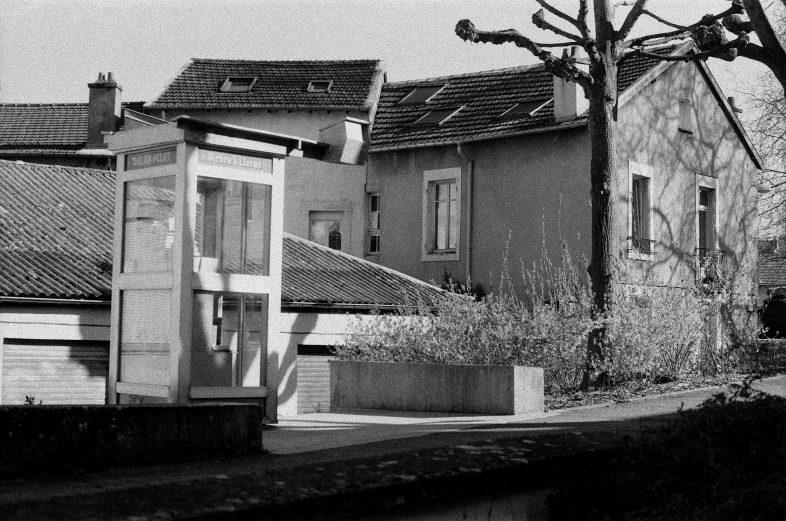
50, 50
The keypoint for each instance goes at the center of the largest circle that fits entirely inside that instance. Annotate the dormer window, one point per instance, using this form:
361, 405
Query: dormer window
421, 94
435, 117
524, 109
320, 86
238, 84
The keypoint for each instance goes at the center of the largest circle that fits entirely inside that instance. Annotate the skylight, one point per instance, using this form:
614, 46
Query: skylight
524, 109
436, 117
320, 86
238, 84
421, 94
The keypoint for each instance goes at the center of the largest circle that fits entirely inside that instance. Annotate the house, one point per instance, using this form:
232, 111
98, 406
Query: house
771, 273
56, 236
331, 101
464, 168
69, 134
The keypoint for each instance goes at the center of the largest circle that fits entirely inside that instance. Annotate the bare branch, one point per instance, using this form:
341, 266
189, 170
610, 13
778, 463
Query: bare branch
582, 20
467, 31
663, 21
539, 19
728, 51
631, 19
736, 8
559, 14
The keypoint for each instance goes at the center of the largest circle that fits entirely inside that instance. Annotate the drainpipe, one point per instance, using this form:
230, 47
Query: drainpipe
468, 238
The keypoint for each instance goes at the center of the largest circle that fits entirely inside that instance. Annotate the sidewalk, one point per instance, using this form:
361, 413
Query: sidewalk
316, 458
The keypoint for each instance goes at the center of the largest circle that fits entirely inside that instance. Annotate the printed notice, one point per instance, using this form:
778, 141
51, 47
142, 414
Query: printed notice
211, 157
151, 158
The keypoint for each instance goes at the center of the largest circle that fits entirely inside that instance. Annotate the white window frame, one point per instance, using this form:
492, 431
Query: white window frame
642, 171
373, 224
329, 215
707, 183
430, 178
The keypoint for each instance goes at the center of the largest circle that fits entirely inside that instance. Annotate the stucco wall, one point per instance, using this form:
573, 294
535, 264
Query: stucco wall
526, 187
312, 185
679, 162
300, 123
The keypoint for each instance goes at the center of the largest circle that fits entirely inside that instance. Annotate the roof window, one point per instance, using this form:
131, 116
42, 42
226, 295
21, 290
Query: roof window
320, 86
524, 109
421, 94
435, 117
238, 84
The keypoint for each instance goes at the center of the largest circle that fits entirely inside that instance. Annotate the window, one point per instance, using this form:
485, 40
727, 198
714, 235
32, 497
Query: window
640, 241
705, 233
232, 232
320, 86
524, 109
421, 94
238, 84
149, 227
373, 224
328, 229
686, 116
435, 117
441, 210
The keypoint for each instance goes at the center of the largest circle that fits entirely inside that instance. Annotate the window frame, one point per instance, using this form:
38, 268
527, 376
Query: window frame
331, 215
373, 224
642, 172
430, 179
685, 116
228, 88
314, 89
710, 184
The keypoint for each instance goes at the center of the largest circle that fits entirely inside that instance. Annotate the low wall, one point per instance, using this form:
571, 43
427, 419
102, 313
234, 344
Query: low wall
37, 439
480, 389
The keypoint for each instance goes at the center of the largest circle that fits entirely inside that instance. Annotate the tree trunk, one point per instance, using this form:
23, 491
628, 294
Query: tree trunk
603, 172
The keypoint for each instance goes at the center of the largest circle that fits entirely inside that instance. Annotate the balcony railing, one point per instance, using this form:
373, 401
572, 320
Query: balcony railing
713, 265
641, 245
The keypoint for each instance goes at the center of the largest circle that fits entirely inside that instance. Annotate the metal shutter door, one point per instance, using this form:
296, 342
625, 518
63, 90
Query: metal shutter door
313, 379
55, 372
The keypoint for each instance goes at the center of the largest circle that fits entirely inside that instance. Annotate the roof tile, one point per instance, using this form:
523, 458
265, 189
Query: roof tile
280, 84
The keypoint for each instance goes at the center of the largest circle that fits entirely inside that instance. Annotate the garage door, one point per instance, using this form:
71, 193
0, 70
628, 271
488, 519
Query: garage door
54, 372
313, 378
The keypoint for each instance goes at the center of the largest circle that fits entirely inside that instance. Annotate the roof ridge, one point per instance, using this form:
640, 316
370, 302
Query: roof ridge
43, 104
519, 68
246, 60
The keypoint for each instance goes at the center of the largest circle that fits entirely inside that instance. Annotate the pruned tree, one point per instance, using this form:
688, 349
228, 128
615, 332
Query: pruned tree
606, 46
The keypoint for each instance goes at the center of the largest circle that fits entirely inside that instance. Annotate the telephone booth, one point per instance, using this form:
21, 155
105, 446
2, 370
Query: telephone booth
197, 262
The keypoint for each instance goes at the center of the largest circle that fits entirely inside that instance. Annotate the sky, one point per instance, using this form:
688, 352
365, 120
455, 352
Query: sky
50, 50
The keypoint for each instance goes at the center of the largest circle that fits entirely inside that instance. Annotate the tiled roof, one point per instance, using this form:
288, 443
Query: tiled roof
56, 229
772, 264
54, 128
317, 274
279, 84
483, 96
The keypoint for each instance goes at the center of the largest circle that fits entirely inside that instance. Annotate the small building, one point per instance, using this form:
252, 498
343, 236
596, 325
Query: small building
330, 101
56, 235
68, 134
464, 168
771, 272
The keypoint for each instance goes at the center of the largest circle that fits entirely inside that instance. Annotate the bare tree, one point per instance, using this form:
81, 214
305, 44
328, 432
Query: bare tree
606, 46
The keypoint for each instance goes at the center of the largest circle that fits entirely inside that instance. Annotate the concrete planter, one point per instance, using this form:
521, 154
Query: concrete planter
479, 389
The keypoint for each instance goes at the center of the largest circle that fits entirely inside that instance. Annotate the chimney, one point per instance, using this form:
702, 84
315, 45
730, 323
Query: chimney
347, 140
569, 99
103, 111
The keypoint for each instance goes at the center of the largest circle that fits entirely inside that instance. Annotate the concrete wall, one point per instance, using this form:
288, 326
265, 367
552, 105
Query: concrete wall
312, 185
301, 123
524, 188
479, 389
310, 329
712, 154
54, 322
97, 437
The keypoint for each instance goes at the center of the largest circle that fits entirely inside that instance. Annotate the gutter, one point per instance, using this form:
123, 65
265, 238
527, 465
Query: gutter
468, 238
582, 122
54, 301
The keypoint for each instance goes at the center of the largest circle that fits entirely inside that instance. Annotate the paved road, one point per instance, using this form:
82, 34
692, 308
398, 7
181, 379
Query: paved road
314, 440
